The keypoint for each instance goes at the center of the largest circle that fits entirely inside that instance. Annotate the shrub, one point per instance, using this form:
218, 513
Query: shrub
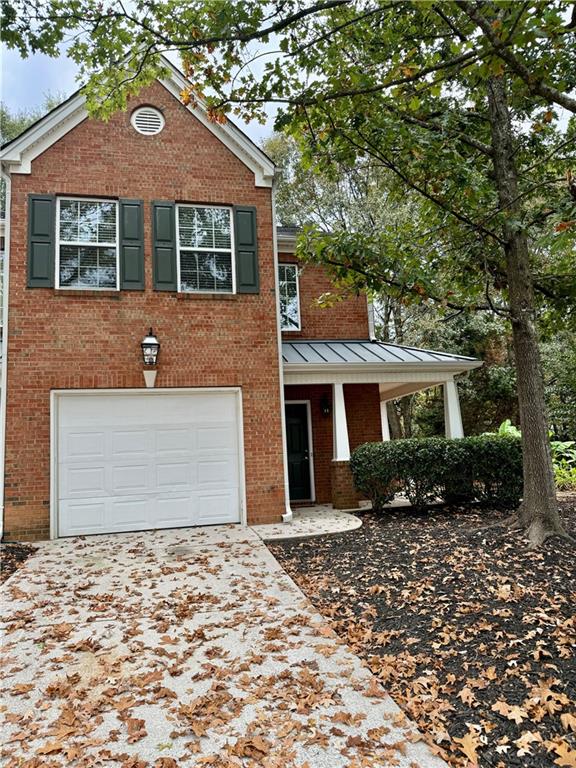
483, 468
565, 476
563, 452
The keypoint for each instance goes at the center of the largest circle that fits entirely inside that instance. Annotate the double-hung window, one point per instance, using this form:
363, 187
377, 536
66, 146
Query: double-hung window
87, 236
289, 299
205, 249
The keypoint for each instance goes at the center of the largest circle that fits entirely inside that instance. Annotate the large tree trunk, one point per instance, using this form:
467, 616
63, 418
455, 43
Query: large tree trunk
406, 411
394, 421
539, 510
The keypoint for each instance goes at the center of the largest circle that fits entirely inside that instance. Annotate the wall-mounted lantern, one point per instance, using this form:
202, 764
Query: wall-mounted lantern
150, 349
325, 406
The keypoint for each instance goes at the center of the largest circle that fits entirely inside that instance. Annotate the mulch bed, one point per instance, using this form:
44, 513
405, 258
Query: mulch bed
471, 633
12, 556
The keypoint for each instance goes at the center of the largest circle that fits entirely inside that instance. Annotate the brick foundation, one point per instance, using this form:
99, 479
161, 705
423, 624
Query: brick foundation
344, 494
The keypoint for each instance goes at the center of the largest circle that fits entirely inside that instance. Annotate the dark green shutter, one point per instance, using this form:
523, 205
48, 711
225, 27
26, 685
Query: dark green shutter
164, 250
131, 245
41, 234
247, 279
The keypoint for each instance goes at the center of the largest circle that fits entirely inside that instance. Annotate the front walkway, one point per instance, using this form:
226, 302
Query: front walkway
193, 646
306, 522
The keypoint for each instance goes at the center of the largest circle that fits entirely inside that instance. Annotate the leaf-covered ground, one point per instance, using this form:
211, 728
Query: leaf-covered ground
183, 648
473, 635
12, 556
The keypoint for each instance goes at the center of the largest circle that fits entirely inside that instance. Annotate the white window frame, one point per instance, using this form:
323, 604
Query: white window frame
231, 250
115, 245
292, 329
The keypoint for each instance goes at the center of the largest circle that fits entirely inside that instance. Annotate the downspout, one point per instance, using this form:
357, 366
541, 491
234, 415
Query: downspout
4, 377
287, 516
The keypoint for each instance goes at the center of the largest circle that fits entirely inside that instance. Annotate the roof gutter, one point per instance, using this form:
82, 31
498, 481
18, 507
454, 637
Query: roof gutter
286, 243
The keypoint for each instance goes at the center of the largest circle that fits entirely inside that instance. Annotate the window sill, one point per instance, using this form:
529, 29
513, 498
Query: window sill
86, 293
190, 296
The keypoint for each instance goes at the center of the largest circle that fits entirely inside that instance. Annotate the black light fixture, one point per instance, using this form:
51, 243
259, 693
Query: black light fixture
150, 348
325, 406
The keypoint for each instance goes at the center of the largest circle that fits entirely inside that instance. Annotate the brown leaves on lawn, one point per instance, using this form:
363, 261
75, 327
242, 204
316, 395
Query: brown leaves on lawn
468, 745
12, 556
473, 635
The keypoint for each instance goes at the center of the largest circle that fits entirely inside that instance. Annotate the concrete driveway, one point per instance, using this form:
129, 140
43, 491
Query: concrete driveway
183, 647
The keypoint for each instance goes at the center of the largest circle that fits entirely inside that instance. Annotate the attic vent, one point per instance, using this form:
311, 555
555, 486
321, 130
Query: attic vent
147, 120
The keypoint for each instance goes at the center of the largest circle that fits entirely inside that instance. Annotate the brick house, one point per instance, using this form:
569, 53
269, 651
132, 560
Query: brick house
161, 219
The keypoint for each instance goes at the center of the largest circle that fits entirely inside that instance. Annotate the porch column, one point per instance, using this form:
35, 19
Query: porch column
452, 415
384, 421
341, 443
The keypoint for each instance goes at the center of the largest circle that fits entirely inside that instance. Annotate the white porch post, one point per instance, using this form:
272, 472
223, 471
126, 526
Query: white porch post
384, 421
341, 444
452, 415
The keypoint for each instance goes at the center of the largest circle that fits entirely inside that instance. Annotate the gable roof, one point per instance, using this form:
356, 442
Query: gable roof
16, 155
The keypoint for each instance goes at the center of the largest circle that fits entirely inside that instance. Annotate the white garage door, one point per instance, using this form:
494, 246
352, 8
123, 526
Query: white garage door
130, 462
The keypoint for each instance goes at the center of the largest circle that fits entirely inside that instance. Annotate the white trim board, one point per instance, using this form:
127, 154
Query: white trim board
4, 366
17, 157
366, 374
56, 396
287, 516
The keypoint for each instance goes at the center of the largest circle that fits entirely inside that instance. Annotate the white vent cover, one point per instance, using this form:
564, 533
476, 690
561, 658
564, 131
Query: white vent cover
147, 120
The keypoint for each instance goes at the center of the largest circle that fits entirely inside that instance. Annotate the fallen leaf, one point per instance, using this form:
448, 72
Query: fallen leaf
469, 745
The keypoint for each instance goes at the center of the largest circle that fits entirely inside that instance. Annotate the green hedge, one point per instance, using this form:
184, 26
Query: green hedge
483, 468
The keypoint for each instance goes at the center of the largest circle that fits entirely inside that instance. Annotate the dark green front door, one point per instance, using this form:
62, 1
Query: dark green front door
298, 452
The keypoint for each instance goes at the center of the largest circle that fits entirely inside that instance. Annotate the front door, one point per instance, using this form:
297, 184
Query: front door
299, 474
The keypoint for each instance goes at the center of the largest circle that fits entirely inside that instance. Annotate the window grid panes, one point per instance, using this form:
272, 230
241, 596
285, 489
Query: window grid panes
87, 244
205, 248
289, 303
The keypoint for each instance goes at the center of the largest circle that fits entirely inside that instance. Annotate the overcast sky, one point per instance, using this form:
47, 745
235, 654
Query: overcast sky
26, 82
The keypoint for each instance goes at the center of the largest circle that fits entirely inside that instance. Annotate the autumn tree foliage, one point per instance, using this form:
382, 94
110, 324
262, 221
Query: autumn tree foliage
466, 103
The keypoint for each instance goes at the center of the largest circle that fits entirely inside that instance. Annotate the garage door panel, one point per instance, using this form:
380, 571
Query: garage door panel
130, 443
132, 478
137, 462
218, 471
81, 481
174, 475
174, 440
78, 517
131, 513
83, 446
216, 437
216, 507
174, 512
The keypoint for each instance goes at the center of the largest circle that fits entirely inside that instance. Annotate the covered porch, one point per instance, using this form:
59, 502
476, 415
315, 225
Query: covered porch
335, 399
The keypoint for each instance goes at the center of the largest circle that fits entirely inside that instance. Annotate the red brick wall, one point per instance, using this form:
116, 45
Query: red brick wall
363, 413
66, 340
363, 418
347, 319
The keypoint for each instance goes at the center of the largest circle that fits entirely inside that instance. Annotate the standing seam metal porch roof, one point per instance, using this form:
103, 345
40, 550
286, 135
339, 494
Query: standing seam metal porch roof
359, 351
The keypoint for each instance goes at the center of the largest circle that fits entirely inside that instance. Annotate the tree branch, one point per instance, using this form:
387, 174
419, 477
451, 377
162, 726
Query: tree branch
200, 42
406, 289
502, 50
388, 163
